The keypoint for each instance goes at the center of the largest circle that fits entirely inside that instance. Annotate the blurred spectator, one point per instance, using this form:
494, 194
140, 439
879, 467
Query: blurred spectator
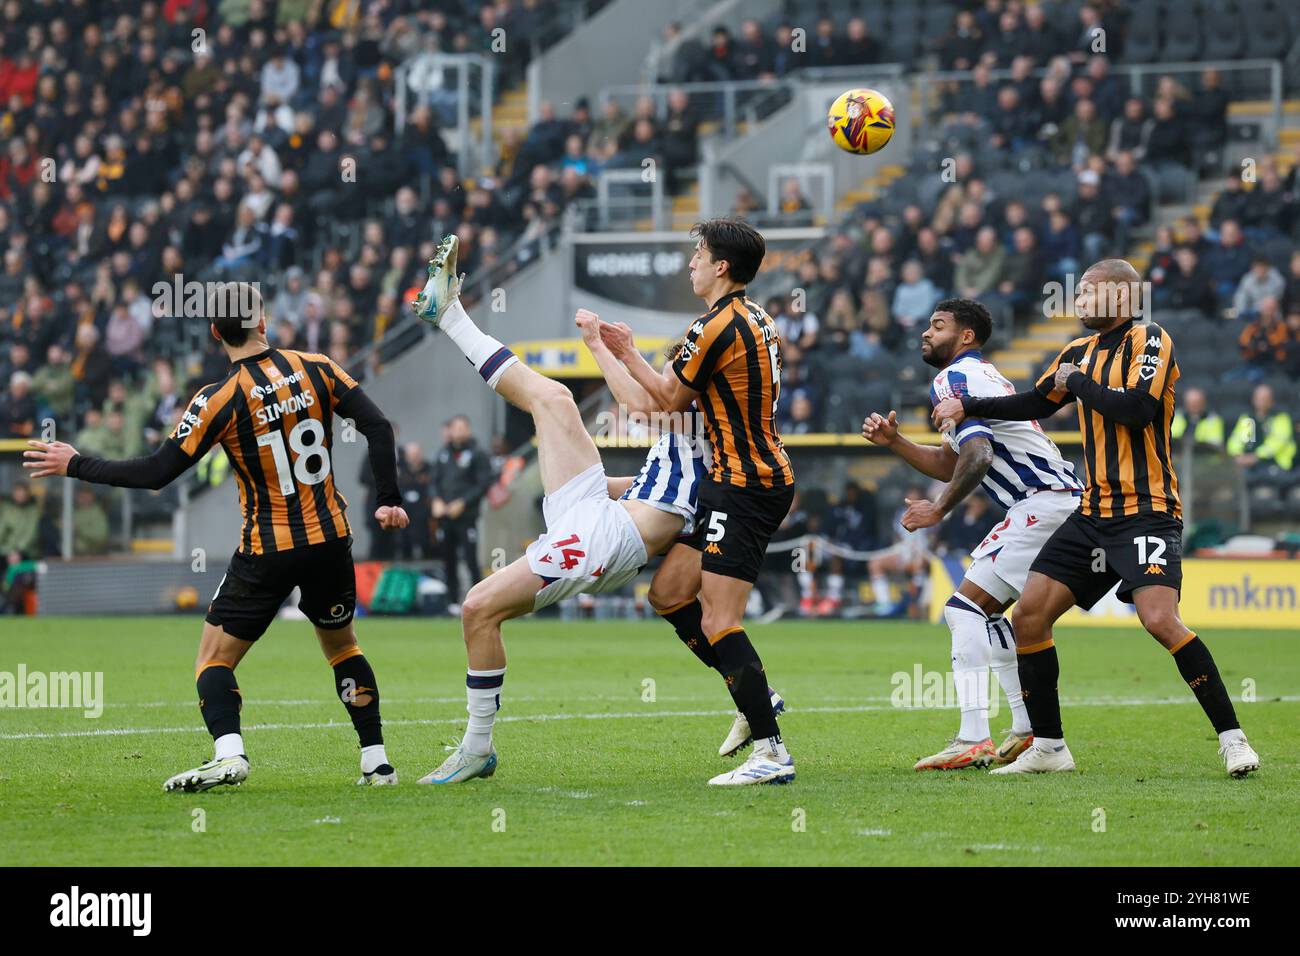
1184, 285
961, 533
1260, 283
1227, 262
1206, 425
415, 478
907, 557
915, 297
18, 408
462, 474
1263, 439
1263, 343
979, 270
20, 526
1129, 195
89, 523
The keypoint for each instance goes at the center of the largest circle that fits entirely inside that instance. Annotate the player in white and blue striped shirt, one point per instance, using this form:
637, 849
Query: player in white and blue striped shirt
1023, 471
670, 478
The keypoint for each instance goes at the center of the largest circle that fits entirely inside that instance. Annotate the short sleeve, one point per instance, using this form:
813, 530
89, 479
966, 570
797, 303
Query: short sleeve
204, 420
952, 383
1150, 361
705, 350
341, 383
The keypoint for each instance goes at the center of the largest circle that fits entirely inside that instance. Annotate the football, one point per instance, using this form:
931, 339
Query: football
861, 121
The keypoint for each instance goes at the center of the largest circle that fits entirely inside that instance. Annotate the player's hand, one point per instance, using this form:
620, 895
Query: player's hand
455, 508
948, 414
879, 430
920, 514
617, 337
48, 459
439, 508
588, 323
391, 517
1063, 373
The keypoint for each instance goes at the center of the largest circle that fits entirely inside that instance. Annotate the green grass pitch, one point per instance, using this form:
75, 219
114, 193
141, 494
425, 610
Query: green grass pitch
591, 773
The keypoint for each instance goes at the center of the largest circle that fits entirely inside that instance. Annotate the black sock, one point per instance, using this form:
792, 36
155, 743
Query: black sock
1196, 664
354, 680
686, 621
743, 671
1039, 672
219, 699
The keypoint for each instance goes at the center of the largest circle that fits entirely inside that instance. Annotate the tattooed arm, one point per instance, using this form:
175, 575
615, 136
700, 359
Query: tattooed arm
972, 464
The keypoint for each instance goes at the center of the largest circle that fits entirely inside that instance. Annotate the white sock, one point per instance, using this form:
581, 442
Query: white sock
835, 586
805, 585
1050, 744
773, 747
483, 688
1007, 670
488, 356
372, 758
1231, 736
229, 745
880, 588
970, 665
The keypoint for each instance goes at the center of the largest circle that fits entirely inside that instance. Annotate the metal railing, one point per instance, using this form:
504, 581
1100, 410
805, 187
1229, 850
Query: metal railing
422, 79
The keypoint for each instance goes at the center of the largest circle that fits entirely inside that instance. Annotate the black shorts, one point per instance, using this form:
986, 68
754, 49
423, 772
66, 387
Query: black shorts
256, 585
1088, 555
733, 526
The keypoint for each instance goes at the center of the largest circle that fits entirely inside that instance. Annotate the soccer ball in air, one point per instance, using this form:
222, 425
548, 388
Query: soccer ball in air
860, 121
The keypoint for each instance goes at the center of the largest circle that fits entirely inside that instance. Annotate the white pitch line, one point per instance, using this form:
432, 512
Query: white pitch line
538, 718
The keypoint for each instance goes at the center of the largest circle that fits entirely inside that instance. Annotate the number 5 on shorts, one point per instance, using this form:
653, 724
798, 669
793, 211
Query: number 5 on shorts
717, 526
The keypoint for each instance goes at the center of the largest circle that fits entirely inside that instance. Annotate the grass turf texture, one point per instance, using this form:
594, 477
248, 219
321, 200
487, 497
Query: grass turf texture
592, 774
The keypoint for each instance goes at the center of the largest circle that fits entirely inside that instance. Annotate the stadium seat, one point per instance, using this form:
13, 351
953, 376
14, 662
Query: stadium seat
1222, 35
1142, 43
1182, 40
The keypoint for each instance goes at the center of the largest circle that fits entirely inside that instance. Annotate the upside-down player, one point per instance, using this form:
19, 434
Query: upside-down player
273, 414
1022, 470
600, 531
1128, 528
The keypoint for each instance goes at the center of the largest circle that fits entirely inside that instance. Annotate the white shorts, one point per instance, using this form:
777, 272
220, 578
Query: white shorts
591, 543
1003, 558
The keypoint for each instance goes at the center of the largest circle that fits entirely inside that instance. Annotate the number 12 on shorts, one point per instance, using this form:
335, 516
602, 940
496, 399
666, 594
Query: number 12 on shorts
1157, 546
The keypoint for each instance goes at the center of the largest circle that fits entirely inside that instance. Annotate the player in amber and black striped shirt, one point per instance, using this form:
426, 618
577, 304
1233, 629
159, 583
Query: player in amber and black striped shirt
1128, 529
730, 366
273, 416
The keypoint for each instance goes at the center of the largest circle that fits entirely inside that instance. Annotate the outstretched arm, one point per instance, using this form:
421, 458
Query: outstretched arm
165, 465
666, 391
626, 390
933, 461
1131, 408
382, 451
971, 467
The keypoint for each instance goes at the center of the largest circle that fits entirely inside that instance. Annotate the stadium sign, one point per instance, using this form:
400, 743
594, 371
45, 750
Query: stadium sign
1215, 593
649, 270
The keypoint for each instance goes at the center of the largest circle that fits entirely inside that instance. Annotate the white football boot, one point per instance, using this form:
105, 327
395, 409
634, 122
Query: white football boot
740, 735
214, 773
461, 766
382, 776
758, 768
1038, 760
443, 288
1239, 757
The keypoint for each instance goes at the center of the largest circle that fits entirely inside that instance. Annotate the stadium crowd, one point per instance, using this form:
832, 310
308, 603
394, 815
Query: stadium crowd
272, 151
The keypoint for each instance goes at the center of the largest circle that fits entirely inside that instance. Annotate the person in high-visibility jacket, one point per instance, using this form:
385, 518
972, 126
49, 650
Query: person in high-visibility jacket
1262, 435
1206, 425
